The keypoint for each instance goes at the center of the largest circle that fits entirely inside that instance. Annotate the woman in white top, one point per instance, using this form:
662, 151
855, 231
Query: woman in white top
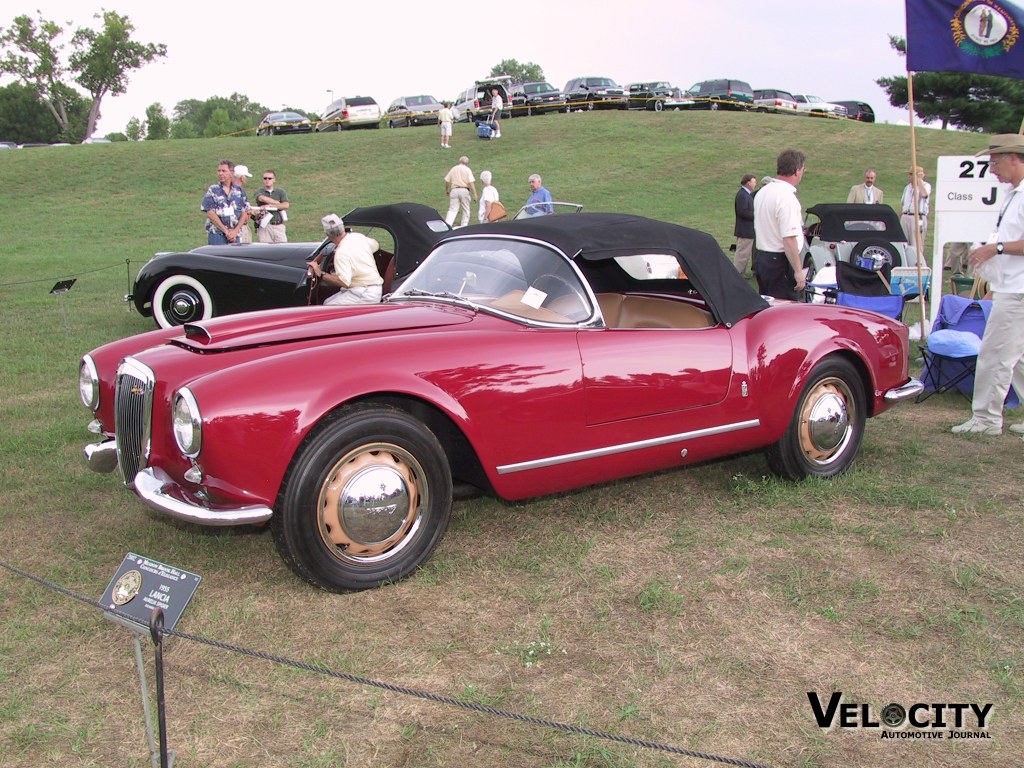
487, 197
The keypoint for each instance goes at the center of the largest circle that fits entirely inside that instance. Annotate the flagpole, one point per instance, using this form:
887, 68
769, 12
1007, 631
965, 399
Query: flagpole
918, 238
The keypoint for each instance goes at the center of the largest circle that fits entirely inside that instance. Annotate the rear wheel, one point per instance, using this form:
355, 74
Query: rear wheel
659, 105
181, 299
366, 500
825, 432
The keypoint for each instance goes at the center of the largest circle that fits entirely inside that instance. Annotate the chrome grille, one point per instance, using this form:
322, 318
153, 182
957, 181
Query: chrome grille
133, 411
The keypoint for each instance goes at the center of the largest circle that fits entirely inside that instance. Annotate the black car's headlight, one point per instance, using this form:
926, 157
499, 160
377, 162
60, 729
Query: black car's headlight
187, 423
88, 383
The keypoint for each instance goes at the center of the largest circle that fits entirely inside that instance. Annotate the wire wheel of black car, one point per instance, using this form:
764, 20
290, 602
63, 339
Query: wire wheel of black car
825, 432
366, 500
181, 299
659, 105
871, 247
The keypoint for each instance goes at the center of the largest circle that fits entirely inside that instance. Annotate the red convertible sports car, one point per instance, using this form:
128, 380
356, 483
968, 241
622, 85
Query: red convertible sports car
523, 357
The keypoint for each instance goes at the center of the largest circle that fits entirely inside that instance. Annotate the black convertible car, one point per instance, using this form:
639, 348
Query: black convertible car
214, 280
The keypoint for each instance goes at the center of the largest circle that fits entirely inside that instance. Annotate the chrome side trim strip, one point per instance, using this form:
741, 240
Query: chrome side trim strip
640, 445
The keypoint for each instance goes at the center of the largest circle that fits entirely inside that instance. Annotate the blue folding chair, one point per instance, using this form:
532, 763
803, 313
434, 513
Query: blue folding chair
950, 362
867, 289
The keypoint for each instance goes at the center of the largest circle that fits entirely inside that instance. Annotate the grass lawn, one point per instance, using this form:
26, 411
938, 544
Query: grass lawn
694, 608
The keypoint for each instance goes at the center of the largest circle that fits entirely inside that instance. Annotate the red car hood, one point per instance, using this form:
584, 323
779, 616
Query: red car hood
287, 325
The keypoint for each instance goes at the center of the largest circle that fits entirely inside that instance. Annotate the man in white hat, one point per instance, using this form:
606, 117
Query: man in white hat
241, 176
355, 270
1001, 262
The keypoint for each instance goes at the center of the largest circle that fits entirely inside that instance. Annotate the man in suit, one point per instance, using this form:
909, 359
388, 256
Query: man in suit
866, 192
744, 229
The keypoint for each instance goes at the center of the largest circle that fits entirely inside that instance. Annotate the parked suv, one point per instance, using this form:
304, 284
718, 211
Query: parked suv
350, 112
594, 93
536, 98
774, 100
722, 94
858, 110
475, 101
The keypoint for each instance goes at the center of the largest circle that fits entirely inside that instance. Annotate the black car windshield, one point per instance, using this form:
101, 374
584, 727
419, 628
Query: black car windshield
600, 82
538, 87
420, 101
525, 280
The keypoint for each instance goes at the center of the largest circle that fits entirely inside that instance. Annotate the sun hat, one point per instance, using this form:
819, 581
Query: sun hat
1004, 142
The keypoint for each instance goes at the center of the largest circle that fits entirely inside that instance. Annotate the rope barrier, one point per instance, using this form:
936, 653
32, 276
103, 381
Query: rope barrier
411, 692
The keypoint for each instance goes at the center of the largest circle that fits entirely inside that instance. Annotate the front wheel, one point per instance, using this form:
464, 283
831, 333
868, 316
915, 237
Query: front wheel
659, 105
181, 299
825, 432
365, 502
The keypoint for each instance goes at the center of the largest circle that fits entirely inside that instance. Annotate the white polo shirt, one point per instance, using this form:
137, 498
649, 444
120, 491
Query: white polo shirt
777, 214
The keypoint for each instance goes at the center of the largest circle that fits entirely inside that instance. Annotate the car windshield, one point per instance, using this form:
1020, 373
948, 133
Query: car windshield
538, 88
600, 82
511, 278
360, 101
420, 101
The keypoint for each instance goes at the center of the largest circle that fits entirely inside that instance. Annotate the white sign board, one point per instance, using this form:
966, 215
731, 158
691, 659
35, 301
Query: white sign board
967, 199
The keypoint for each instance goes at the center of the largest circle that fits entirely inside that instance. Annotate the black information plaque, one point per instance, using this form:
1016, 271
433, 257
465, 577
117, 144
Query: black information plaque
142, 584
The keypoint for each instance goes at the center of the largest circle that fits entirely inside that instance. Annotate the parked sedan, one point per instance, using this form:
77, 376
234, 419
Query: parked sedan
407, 111
214, 280
283, 122
524, 358
817, 106
657, 96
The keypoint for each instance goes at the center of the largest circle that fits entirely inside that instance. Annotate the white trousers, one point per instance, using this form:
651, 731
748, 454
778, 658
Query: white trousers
458, 202
1001, 359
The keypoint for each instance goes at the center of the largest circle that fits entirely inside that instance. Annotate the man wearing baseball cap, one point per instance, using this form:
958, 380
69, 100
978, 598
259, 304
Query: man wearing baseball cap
1001, 262
355, 270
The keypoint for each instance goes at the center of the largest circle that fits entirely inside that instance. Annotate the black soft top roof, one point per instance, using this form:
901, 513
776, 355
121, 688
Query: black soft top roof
835, 218
594, 239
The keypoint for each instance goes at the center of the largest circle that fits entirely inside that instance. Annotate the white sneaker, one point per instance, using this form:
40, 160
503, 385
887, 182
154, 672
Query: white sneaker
976, 427
1018, 428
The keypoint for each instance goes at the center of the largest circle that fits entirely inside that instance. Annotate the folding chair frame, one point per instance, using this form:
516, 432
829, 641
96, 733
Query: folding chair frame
932, 373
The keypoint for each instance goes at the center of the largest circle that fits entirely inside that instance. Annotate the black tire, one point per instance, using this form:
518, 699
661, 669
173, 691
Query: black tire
390, 124
376, 536
181, 299
659, 105
872, 246
827, 427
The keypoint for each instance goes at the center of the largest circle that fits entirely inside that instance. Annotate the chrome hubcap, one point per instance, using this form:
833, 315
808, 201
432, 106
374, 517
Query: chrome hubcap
370, 503
825, 422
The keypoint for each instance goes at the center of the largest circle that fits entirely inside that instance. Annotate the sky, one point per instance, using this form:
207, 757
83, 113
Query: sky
279, 54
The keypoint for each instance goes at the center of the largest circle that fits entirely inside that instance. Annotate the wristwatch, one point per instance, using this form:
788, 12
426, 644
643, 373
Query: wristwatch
999, 248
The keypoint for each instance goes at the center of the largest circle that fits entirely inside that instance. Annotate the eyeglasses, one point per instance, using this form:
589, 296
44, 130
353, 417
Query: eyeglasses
268, 178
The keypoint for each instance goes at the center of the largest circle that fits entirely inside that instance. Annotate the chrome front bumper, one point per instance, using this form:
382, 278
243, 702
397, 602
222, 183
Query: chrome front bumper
159, 491
911, 389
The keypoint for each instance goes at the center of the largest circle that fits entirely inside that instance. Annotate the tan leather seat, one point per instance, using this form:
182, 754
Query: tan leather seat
626, 311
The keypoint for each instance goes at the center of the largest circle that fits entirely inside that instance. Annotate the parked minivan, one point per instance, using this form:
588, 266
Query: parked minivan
350, 112
722, 94
475, 101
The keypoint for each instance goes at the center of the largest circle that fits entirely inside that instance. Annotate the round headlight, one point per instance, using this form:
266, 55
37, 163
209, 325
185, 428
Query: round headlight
187, 423
88, 383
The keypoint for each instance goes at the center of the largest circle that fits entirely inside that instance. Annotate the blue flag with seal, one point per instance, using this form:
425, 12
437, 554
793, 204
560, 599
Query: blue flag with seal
980, 36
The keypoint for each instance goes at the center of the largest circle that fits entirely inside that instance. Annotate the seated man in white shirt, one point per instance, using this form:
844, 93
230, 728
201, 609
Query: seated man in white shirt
355, 271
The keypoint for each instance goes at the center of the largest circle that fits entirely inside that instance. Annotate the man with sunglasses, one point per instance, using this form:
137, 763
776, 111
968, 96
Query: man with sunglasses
273, 202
